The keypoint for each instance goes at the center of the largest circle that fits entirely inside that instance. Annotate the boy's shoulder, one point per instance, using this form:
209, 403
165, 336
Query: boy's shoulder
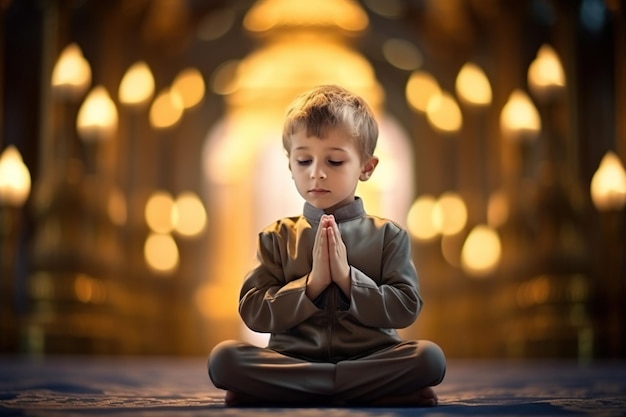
384, 222
283, 223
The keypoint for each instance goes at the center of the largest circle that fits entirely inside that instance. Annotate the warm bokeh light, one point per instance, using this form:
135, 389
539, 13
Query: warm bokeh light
443, 113
15, 179
481, 251
472, 85
191, 216
158, 212
89, 290
97, 117
167, 110
545, 74
402, 54
450, 213
420, 88
451, 246
608, 185
137, 86
116, 207
271, 74
271, 14
224, 76
189, 85
519, 119
420, 218
161, 253
497, 209
71, 75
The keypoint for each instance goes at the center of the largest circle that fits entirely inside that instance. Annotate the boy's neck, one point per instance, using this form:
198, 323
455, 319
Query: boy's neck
343, 213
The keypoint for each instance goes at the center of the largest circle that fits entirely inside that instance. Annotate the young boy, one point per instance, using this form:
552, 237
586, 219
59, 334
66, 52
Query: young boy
333, 285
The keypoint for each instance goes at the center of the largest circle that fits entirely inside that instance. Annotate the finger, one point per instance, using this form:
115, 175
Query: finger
336, 233
318, 234
332, 241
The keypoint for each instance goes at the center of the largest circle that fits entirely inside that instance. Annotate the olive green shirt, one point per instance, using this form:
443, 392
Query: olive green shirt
384, 291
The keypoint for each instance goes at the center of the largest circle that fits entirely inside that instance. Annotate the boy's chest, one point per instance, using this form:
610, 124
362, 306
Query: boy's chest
364, 252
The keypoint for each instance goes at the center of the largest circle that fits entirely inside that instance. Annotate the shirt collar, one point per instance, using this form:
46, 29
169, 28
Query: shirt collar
351, 211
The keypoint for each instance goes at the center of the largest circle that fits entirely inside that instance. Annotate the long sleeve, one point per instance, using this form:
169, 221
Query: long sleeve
270, 301
394, 302
384, 291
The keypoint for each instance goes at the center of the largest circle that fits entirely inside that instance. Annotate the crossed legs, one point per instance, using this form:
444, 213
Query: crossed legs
401, 375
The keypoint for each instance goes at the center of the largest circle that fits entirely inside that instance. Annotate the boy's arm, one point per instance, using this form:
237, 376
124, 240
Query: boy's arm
267, 302
396, 302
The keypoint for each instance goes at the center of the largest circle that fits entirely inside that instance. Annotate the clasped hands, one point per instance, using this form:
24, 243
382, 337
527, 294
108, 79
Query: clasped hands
330, 259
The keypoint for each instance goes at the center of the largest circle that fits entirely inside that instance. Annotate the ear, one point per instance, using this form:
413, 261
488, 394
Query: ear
368, 168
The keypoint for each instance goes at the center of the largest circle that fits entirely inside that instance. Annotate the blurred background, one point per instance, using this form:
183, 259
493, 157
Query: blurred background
140, 155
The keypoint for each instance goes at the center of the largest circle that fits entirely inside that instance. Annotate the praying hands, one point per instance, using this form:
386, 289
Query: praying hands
330, 259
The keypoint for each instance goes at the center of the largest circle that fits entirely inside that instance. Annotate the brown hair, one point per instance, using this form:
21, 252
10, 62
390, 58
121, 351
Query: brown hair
327, 107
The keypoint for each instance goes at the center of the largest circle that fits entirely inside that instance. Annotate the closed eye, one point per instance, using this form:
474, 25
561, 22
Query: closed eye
335, 163
303, 162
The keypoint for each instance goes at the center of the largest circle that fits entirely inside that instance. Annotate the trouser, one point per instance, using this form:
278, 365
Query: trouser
273, 377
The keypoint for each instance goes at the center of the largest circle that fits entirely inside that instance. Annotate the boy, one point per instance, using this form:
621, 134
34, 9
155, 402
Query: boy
332, 285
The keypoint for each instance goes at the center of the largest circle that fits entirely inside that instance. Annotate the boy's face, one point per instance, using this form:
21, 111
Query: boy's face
326, 171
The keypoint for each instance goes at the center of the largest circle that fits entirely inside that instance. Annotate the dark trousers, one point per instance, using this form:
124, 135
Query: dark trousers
273, 377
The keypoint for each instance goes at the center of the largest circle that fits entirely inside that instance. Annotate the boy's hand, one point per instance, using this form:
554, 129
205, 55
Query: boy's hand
320, 277
338, 256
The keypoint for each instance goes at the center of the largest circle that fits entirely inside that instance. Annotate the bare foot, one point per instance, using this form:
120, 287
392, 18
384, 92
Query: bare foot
424, 397
236, 399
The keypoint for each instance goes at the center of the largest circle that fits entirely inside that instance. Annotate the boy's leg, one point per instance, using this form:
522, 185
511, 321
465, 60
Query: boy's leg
268, 376
400, 371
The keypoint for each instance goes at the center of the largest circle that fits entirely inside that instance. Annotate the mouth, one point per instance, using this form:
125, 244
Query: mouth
318, 191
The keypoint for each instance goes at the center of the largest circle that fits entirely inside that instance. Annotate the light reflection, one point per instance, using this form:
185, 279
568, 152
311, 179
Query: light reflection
116, 207
189, 85
15, 179
443, 113
545, 74
519, 119
158, 212
451, 247
97, 117
191, 215
472, 85
269, 14
450, 213
166, 110
420, 88
497, 209
402, 54
137, 85
71, 74
224, 76
481, 251
608, 185
161, 253
420, 218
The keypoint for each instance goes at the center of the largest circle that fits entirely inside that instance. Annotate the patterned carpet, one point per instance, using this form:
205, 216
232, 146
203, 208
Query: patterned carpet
84, 386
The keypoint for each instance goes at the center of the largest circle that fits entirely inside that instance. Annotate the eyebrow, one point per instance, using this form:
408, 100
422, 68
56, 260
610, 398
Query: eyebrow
305, 148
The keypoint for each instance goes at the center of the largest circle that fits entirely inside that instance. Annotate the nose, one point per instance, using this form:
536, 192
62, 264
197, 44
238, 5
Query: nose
317, 171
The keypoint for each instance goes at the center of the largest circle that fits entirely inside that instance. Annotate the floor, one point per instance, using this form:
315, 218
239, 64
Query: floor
85, 386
